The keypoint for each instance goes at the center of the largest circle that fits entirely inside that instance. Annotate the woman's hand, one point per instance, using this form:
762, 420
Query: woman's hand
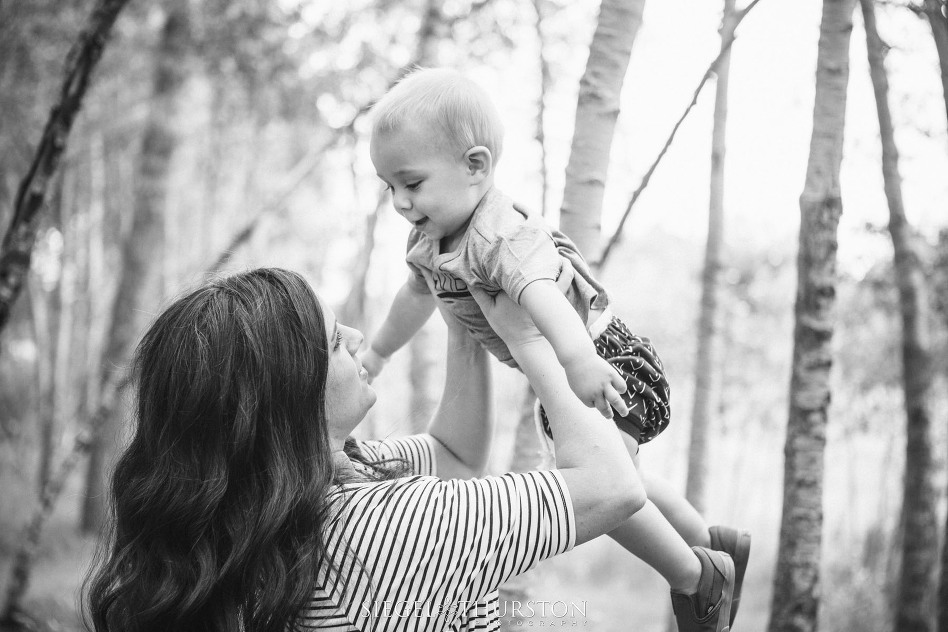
510, 321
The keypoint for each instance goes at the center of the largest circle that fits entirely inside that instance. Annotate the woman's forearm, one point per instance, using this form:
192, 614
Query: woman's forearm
464, 422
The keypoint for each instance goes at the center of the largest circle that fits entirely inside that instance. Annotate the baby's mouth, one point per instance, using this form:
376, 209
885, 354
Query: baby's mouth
420, 223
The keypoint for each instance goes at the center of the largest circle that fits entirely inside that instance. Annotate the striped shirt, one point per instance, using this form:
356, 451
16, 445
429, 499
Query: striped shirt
423, 554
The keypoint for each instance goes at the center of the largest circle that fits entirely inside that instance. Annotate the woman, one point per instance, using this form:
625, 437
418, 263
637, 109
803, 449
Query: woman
242, 503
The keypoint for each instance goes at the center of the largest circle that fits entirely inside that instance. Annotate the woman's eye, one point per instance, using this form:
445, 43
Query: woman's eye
338, 340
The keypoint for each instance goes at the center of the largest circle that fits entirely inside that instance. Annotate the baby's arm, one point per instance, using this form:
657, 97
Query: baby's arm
410, 310
592, 379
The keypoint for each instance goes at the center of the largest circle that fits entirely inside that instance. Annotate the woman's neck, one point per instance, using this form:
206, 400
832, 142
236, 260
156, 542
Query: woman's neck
342, 466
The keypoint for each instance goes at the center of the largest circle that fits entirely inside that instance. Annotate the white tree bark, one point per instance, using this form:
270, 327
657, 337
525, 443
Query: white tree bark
706, 355
919, 545
796, 592
596, 113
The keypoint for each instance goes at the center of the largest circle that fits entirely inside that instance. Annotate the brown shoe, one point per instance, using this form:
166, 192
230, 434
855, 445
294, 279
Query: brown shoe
737, 544
709, 608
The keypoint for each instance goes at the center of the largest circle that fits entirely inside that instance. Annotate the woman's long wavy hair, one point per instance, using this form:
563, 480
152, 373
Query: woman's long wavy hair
219, 501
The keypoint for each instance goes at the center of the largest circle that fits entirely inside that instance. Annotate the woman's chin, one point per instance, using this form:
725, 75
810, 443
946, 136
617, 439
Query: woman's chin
370, 399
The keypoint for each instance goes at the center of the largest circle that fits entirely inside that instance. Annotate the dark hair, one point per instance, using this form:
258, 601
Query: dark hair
220, 499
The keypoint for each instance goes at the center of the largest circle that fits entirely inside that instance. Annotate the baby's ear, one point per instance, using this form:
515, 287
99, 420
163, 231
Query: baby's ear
479, 162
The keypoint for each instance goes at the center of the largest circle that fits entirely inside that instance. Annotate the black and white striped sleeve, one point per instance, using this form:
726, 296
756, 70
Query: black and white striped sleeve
416, 450
443, 545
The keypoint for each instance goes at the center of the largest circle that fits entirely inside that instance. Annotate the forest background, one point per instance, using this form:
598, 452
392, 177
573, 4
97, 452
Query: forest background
223, 135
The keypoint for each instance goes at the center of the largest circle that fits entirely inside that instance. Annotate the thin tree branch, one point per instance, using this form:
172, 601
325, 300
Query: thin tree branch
725, 47
16, 250
430, 20
545, 80
306, 165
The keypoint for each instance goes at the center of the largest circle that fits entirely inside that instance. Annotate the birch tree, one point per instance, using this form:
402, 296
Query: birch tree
143, 247
710, 279
796, 591
941, 302
919, 512
597, 110
422, 357
937, 13
526, 446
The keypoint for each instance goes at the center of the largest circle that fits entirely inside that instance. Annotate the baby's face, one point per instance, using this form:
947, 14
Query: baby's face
432, 189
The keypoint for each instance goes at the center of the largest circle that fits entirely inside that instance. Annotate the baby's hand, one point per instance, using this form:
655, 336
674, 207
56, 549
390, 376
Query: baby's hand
597, 384
373, 363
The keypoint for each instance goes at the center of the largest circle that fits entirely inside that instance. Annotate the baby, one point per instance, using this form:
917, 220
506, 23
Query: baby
435, 141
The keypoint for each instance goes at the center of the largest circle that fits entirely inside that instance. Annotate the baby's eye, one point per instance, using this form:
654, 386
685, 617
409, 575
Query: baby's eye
411, 186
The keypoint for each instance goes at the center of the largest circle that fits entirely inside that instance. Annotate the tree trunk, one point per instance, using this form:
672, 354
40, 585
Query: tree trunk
935, 11
596, 112
526, 447
353, 311
137, 278
17, 247
706, 356
581, 213
526, 456
920, 537
941, 301
943, 583
545, 81
40, 309
426, 48
421, 359
797, 576
62, 360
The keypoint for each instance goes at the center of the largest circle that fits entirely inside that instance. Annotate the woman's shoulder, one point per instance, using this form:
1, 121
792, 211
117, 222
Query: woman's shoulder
415, 453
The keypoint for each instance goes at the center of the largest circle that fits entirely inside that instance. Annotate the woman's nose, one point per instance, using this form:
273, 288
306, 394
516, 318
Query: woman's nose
355, 339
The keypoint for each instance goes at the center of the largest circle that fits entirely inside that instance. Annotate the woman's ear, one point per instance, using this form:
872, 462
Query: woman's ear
479, 162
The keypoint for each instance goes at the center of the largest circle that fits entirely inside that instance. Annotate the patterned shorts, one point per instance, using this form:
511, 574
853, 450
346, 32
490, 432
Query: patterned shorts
648, 394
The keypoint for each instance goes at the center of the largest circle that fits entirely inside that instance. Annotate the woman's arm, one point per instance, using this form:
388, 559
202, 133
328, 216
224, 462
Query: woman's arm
602, 480
464, 423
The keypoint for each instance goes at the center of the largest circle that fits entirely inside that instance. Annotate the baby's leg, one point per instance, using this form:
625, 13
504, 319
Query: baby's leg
675, 507
651, 537
671, 503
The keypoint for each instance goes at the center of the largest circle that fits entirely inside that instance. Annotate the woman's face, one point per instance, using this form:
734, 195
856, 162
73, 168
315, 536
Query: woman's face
348, 393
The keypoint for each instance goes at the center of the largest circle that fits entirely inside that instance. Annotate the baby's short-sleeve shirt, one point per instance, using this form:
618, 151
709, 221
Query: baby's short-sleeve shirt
504, 249
423, 554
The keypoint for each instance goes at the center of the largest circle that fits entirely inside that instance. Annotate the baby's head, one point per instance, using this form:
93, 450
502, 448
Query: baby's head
436, 137
456, 112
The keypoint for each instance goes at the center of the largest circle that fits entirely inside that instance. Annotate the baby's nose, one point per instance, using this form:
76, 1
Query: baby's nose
401, 201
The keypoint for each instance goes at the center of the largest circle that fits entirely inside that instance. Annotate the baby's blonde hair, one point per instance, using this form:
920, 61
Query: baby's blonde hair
456, 106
